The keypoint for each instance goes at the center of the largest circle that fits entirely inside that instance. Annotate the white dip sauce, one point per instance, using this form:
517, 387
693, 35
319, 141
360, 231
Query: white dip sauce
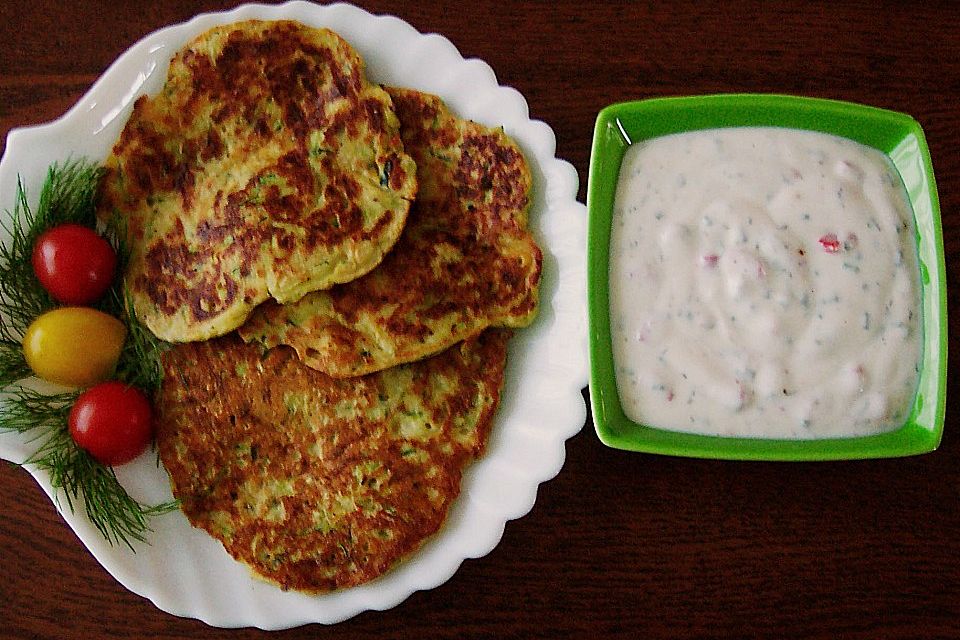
764, 283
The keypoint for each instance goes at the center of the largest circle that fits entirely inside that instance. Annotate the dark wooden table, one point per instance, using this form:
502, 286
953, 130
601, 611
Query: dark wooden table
619, 545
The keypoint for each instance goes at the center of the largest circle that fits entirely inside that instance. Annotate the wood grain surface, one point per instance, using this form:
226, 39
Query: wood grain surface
618, 545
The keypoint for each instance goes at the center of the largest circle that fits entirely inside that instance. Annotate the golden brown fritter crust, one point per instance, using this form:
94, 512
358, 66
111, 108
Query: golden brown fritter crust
267, 166
464, 262
315, 482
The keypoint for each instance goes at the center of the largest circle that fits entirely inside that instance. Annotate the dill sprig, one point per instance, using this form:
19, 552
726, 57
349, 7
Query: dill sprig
139, 363
68, 195
74, 473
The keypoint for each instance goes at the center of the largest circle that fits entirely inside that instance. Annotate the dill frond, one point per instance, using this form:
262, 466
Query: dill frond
68, 195
139, 363
25, 410
13, 366
74, 473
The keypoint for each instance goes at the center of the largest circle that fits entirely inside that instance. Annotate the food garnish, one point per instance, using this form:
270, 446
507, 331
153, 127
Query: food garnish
112, 421
68, 197
74, 263
74, 346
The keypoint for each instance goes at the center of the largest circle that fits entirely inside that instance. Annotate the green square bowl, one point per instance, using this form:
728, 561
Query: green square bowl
897, 135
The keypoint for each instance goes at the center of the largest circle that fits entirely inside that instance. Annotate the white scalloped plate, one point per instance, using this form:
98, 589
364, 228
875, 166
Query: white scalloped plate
186, 572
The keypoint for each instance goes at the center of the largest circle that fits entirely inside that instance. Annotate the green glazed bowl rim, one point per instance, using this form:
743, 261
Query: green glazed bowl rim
895, 134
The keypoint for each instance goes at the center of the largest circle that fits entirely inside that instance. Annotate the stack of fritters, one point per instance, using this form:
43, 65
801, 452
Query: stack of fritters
321, 463
464, 262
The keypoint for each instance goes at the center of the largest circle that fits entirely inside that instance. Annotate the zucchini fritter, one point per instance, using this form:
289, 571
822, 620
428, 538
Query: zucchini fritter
316, 482
267, 166
464, 262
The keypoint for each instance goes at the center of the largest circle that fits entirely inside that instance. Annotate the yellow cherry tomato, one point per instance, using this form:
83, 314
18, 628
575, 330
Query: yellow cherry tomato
74, 346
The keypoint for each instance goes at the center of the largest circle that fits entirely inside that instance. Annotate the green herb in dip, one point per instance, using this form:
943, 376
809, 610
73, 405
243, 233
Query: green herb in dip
764, 282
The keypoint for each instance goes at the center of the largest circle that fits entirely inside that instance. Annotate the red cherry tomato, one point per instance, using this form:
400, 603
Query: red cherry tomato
74, 263
112, 421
